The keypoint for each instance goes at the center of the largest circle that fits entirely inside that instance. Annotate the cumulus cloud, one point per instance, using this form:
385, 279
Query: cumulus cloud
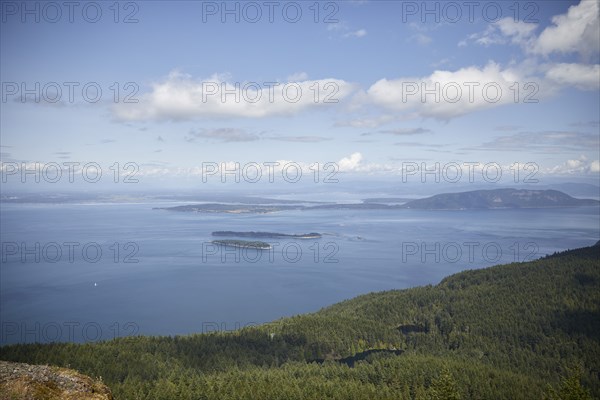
447, 94
181, 97
580, 165
577, 31
501, 32
444, 94
350, 163
585, 77
355, 164
516, 30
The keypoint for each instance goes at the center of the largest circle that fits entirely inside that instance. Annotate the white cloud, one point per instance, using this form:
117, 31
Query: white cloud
298, 76
576, 31
355, 164
180, 97
573, 32
458, 92
576, 166
585, 77
517, 30
489, 37
499, 32
351, 163
357, 34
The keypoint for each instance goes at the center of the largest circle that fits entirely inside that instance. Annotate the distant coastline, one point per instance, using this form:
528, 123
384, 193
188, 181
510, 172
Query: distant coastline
495, 199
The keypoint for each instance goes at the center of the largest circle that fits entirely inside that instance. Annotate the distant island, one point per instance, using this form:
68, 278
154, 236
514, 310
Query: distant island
271, 235
266, 209
246, 244
387, 200
499, 198
230, 208
471, 200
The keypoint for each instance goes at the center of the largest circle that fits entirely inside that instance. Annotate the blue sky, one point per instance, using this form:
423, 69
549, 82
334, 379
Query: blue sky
368, 52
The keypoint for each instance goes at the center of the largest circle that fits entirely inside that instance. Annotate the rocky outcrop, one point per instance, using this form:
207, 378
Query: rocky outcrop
39, 382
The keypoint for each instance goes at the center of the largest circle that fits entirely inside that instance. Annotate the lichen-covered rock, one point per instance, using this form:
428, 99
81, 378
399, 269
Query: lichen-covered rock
39, 382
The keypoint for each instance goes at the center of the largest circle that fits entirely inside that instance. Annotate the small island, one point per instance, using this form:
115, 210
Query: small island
245, 244
271, 235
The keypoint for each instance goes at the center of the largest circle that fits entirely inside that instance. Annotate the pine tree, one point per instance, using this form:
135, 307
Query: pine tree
570, 389
444, 387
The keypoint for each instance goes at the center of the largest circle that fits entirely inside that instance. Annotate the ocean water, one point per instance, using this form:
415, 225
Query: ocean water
93, 272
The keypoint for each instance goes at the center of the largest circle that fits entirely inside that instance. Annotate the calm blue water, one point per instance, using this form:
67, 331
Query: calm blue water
182, 284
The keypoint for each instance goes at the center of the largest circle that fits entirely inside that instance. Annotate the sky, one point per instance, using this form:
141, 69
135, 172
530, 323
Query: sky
368, 87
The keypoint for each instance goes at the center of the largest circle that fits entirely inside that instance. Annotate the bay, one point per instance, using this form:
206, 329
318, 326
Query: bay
158, 274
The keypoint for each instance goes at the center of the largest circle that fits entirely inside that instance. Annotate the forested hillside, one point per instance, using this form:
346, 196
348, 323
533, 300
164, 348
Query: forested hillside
518, 331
